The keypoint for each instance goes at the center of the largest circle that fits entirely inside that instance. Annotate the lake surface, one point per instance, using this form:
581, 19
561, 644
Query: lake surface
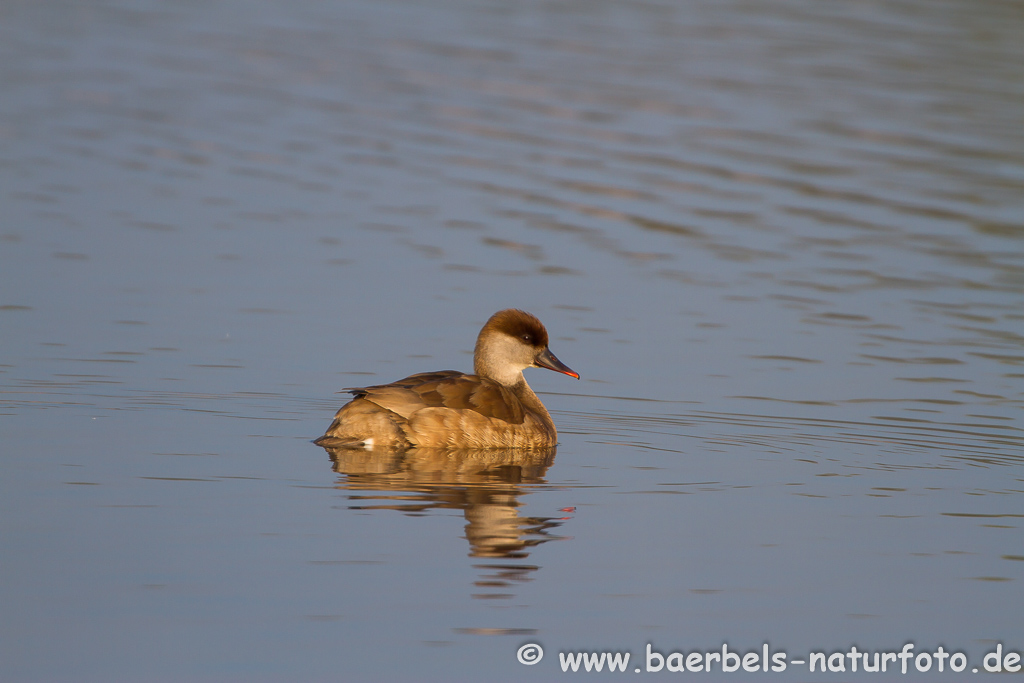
782, 243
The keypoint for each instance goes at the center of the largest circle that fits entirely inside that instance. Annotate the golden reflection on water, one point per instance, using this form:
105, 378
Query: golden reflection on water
486, 485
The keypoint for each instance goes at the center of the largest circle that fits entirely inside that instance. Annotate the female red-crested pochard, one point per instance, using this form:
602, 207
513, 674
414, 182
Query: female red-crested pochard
494, 408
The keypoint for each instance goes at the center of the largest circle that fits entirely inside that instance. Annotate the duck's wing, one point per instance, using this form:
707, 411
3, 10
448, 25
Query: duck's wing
410, 381
447, 389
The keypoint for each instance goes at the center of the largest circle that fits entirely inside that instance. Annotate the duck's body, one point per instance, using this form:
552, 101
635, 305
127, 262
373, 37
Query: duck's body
493, 408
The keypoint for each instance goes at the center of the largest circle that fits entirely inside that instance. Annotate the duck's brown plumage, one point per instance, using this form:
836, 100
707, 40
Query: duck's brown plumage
494, 408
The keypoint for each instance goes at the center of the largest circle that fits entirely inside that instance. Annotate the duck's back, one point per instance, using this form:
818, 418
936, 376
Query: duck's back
446, 409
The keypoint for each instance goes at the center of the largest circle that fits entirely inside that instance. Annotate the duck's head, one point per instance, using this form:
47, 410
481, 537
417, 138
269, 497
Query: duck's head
511, 341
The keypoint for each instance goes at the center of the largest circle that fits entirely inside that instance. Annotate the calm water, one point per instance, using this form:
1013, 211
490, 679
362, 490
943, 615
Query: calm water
783, 243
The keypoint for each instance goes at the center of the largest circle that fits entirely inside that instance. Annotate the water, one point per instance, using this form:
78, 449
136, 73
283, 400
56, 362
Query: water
782, 243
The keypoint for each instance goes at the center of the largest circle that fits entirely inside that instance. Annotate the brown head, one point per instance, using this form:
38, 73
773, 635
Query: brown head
511, 341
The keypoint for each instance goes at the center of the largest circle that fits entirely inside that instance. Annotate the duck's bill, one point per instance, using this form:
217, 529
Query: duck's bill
546, 359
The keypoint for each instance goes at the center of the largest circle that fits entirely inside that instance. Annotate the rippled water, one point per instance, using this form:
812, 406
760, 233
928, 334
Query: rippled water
783, 244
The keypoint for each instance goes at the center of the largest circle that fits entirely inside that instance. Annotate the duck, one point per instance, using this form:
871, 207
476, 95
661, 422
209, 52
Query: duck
492, 408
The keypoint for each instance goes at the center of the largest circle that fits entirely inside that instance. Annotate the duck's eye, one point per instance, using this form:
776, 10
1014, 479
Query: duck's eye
528, 338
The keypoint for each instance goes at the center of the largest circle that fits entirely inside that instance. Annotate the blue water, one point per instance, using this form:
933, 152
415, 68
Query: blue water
782, 244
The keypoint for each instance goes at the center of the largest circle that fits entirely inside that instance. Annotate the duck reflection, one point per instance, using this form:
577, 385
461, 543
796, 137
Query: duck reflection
485, 484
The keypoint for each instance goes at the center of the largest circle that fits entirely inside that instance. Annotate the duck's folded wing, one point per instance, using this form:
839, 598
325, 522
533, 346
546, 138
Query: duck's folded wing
410, 381
449, 390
